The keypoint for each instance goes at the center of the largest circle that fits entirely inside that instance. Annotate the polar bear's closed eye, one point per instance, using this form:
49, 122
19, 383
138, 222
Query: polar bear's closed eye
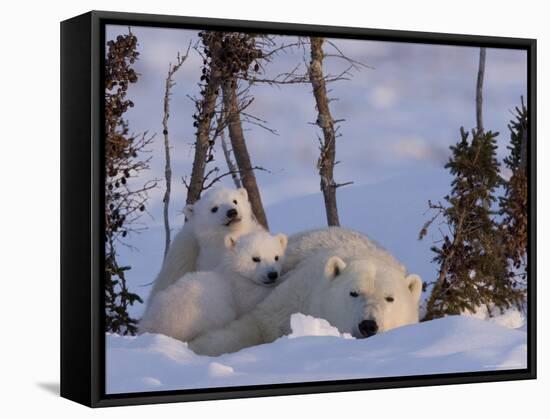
335, 274
377, 298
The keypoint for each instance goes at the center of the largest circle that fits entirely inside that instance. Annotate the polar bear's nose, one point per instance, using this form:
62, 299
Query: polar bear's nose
368, 328
232, 213
273, 275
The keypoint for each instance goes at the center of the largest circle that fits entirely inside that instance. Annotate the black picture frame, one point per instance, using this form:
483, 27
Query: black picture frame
82, 200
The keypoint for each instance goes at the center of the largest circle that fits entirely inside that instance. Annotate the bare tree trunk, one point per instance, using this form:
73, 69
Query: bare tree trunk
240, 150
479, 90
205, 115
230, 165
327, 156
168, 167
523, 145
479, 98
523, 152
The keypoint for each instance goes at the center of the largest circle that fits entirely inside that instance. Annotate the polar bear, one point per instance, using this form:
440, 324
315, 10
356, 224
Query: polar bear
357, 295
207, 300
340, 241
200, 243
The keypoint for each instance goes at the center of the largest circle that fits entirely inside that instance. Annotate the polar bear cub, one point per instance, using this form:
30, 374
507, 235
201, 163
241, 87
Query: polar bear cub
199, 246
208, 300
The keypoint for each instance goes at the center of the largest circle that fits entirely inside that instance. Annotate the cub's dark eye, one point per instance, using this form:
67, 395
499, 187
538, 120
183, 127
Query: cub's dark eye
389, 299
214, 209
276, 258
235, 201
354, 294
256, 259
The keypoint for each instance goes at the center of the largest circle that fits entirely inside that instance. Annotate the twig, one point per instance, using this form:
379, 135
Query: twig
169, 83
479, 90
230, 165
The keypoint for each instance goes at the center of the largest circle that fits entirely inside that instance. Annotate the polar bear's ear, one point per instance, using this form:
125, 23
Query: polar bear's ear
188, 211
243, 192
415, 286
283, 239
230, 241
334, 267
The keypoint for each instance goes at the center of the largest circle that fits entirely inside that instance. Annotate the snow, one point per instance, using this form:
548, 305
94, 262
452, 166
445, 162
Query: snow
512, 317
304, 325
390, 211
316, 351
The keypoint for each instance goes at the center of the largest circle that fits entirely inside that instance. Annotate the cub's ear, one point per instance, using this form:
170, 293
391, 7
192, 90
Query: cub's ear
334, 267
283, 239
243, 192
230, 241
188, 211
414, 283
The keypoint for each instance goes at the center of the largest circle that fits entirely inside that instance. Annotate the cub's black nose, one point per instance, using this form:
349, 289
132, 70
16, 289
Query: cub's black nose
368, 328
232, 213
273, 275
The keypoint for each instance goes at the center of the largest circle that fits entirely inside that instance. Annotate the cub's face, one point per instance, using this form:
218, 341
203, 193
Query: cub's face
256, 256
219, 211
363, 299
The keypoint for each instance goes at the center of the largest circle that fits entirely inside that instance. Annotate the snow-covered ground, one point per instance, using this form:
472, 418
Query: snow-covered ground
316, 351
391, 212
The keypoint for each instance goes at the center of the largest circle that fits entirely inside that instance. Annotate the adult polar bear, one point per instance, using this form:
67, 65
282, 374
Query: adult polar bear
335, 274
338, 240
199, 245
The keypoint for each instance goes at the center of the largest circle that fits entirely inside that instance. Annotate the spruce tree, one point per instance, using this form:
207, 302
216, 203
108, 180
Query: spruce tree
473, 269
513, 205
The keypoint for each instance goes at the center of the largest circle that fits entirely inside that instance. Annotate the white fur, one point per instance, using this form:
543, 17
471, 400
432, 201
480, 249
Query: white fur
203, 301
320, 285
340, 241
199, 246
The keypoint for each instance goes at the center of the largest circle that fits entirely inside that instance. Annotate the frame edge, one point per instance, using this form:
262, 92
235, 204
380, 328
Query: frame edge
76, 188
80, 123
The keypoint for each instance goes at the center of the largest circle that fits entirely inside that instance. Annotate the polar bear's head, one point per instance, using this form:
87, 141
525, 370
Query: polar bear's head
362, 298
256, 256
219, 211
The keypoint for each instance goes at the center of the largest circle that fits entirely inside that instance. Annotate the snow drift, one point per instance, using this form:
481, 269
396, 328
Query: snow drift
316, 351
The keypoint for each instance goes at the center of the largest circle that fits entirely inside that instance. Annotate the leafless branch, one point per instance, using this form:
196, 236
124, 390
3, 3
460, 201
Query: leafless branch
479, 89
254, 120
230, 165
169, 83
357, 65
217, 178
339, 185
